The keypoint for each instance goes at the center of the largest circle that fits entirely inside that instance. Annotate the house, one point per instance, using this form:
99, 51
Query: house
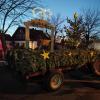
35, 37
96, 45
8, 39
8, 44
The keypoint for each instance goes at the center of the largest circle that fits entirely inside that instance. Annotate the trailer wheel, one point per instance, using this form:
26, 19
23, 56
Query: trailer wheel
96, 67
54, 81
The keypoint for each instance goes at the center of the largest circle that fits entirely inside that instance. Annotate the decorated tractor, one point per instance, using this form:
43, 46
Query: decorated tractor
49, 65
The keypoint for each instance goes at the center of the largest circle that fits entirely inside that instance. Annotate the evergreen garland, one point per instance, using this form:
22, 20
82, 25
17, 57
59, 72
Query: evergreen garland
32, 61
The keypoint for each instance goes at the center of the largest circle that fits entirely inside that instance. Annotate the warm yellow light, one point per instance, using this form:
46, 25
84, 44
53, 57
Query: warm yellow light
91, 53
70, 54
45, 55
75, 15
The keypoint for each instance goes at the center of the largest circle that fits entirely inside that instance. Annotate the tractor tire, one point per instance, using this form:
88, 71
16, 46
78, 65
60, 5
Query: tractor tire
53, 81
96, 67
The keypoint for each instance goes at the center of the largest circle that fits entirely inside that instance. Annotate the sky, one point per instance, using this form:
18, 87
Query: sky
66, 8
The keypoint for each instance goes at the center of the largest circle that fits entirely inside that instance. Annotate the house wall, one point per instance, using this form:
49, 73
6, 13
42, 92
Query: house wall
19, 42
58, 40
9, 44
32, 44
97, 46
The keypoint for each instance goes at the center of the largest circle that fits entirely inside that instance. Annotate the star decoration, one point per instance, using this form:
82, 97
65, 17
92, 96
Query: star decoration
77, 44
75, 15
45, 55
91, 53
70, 54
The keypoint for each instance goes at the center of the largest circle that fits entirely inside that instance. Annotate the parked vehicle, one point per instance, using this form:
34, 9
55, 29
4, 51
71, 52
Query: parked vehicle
49, 65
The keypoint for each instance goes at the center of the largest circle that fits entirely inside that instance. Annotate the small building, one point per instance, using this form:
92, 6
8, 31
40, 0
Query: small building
8, 44
96, 45
8, 39
35, 37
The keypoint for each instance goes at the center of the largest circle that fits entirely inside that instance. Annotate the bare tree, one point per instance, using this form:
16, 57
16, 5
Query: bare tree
13, 11
92, 24
57, 22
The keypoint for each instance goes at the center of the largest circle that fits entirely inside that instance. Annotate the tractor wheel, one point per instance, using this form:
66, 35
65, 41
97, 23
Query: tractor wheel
96, 67
54, 81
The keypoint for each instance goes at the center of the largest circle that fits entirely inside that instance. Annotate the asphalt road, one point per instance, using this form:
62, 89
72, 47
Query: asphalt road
12, 89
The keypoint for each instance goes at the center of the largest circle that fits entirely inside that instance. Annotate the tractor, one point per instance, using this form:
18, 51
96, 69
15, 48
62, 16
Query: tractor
49, 65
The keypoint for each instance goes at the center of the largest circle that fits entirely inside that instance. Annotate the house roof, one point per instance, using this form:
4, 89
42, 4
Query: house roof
35, 35
7, 37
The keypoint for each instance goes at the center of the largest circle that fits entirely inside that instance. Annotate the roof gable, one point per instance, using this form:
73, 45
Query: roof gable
34, 34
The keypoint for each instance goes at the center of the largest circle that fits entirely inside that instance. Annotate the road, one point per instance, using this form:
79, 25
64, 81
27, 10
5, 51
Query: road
11, 89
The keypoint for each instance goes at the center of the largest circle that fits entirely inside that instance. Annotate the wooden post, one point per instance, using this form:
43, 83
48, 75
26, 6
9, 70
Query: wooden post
52, 40
35, 23
27, 35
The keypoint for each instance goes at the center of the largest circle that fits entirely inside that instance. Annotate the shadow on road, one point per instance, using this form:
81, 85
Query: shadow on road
78, 88
9, 85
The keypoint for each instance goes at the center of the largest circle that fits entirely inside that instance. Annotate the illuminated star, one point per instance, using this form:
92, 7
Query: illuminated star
45, 55
70, 54
77, 44
91, 53
75, 15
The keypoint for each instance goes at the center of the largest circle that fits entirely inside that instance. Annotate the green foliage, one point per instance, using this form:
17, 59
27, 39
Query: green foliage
31, 61
75, 30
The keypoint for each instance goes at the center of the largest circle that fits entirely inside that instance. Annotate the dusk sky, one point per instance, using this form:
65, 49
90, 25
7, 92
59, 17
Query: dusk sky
66, 8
